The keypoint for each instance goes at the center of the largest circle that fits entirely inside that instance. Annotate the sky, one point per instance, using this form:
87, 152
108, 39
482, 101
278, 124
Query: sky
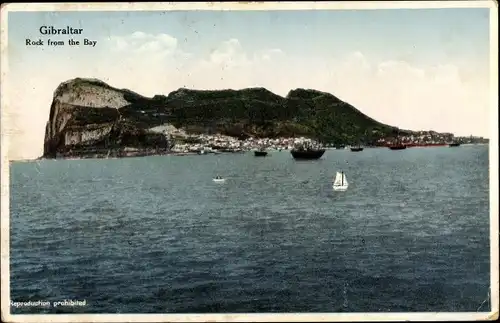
418, 69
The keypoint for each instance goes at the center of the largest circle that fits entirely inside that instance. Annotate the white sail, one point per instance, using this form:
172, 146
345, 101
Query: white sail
340, 181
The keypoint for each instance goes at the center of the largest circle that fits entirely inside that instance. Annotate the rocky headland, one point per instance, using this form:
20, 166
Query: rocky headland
89, 118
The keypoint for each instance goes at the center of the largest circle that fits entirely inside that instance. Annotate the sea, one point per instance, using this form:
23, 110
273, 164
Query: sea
157, 235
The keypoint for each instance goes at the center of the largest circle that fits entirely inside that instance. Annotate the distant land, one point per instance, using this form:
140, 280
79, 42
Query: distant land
89, 118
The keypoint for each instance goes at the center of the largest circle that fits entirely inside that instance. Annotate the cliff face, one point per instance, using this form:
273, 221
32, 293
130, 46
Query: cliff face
88, 114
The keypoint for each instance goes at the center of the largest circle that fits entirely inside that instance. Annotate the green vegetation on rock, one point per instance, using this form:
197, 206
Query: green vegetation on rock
83, 104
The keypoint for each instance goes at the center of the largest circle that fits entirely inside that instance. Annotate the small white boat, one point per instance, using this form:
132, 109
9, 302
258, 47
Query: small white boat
340, 182
219, 180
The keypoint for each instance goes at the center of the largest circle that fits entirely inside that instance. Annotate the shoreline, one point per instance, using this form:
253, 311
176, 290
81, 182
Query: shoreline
129, 155
132, 154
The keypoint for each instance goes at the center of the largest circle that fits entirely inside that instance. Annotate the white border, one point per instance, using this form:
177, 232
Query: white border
242, 317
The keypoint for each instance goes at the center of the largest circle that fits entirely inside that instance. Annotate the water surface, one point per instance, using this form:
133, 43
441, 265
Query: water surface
157, 235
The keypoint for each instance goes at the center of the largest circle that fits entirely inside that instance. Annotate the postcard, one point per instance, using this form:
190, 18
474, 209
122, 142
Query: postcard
249, 162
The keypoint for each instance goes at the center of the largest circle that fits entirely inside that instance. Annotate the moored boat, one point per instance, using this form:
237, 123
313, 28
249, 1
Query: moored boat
260, 153
307, 152
397, 147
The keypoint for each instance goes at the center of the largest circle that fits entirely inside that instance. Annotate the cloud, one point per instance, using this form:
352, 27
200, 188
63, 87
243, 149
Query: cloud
416, 97
145, 55
142, 43
269, 54
398, 69
229, 65
229, 53
442, 96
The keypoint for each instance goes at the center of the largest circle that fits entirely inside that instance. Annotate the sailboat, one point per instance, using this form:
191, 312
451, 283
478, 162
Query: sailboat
340, 182
398, 145
219, 179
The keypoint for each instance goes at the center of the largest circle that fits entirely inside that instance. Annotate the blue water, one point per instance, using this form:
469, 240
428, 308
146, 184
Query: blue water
157, 235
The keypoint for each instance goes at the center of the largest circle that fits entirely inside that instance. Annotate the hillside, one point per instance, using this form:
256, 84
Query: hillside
88, 114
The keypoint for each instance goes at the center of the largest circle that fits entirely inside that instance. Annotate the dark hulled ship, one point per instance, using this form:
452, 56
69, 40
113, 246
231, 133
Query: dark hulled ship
398, 146
307, 151
260, 153
357, 148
